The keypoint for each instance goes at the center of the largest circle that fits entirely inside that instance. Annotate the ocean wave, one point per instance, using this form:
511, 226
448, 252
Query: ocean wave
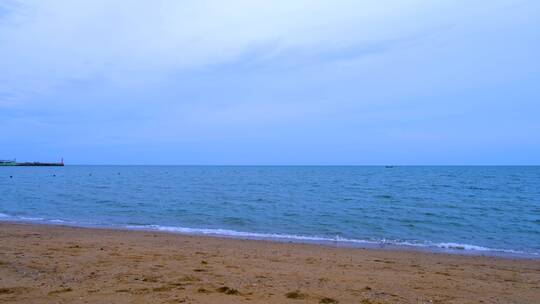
26, 218
227, 232
468, 247
59, 221
19, 218
338, 240
458, 246
327, 240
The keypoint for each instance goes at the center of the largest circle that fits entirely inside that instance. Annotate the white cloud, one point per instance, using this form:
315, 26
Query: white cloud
45, 43
103, 71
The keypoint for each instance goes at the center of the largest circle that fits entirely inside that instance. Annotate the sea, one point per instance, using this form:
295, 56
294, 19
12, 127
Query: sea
490, 210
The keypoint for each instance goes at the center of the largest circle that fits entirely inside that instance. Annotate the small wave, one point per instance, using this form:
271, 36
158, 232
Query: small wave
326, 240
15, 218
458, 246
26, 218
59, 221
374, 243
238, 234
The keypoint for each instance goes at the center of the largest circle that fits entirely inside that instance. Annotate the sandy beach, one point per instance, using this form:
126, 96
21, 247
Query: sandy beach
53, 264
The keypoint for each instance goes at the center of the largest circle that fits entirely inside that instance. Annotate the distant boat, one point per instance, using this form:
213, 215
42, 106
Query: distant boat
389, 166
14, 163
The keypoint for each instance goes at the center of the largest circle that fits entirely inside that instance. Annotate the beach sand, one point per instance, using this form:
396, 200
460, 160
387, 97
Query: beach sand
53, 264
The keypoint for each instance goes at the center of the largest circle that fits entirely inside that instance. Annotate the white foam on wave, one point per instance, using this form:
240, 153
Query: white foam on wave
59, 221
318, 239
287, 237
240, 234
32, 219
458, 246
468, 247
25, 218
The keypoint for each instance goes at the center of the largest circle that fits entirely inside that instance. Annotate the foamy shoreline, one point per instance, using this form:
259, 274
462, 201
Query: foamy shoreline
46, 263
444, 248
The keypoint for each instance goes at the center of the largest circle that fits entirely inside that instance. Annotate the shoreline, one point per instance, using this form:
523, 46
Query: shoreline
450, 248
44, 263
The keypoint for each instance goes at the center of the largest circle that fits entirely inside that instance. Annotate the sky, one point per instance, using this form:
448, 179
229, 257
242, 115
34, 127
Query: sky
248, 82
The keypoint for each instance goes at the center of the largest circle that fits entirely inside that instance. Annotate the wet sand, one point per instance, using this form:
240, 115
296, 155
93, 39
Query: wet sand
53, 264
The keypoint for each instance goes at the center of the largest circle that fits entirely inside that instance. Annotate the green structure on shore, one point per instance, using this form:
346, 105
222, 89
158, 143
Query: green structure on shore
14, 163
5, 163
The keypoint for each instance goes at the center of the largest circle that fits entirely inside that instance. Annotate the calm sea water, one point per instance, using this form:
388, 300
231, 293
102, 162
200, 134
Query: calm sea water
464, 209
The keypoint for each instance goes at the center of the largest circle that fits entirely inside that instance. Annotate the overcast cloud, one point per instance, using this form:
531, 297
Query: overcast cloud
260, 82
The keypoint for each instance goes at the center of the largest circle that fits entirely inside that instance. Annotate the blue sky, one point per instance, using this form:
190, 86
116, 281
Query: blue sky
270, 82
